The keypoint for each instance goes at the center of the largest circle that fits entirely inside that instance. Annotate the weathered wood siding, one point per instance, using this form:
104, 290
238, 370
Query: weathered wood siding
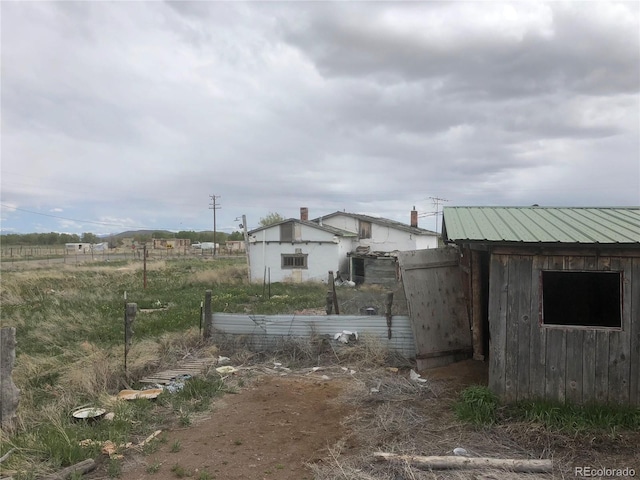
574, 364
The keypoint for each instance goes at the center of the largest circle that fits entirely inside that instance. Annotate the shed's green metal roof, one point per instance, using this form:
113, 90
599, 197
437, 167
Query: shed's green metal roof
542, 225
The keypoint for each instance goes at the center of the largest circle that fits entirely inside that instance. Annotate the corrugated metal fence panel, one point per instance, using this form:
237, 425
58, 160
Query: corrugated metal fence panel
267, 330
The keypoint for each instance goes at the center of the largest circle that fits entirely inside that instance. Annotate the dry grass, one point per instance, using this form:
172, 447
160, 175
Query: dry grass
174, 347
417, 419
411, 418
234, 274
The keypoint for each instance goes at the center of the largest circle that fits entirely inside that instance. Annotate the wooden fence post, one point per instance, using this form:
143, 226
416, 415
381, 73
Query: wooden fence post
9, 393
144, 268
387, 311
208, 316
129, 317
335, 295
329, 307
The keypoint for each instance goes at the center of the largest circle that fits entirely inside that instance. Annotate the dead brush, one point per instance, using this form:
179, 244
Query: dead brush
296, 352
239, 348
368, 352
176, 346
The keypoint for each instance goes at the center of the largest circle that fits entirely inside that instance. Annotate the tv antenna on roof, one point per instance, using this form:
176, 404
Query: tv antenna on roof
436, 202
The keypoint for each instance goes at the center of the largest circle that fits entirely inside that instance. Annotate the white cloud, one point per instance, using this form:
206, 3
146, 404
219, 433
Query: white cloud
132, 114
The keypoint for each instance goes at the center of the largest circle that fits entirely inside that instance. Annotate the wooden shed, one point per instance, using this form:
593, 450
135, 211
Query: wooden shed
554, 299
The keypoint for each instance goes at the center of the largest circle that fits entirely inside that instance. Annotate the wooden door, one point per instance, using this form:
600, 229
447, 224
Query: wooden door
437, 305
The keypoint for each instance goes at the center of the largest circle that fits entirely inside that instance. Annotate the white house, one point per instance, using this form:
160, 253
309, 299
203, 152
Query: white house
382, 234
301, 250
297, 250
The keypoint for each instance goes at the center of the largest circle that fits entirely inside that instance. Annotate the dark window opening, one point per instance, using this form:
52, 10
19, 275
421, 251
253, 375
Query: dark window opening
286, 232
589, 299
365, 229
358, 271
294, 261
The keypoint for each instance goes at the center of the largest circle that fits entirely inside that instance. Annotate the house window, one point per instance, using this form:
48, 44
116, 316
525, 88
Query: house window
298, 260
585, 299
365, 229
286, 232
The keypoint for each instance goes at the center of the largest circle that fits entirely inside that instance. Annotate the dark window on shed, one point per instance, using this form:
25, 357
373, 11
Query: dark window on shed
298, 260
587, 299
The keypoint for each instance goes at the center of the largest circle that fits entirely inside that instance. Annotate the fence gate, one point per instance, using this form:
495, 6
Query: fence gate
437, 305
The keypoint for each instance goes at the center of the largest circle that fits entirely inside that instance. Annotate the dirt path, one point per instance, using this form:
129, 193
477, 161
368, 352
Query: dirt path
270, 430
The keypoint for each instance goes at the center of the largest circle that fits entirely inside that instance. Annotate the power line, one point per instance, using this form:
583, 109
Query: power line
73, 219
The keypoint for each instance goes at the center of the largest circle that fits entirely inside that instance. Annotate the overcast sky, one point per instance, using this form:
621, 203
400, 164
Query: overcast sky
127, 115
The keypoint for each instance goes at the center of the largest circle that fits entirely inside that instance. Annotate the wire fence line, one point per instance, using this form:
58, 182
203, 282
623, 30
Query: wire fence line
61, 254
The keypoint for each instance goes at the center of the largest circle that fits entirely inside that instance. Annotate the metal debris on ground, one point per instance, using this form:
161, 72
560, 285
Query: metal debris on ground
413, 375
176, 384
460, 452
346, 336
223, 360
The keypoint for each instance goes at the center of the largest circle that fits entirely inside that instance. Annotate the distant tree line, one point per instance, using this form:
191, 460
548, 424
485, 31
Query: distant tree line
54, 238
51, 238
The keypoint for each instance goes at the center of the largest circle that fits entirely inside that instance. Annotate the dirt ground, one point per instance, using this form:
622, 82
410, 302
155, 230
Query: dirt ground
326, 424
271, 429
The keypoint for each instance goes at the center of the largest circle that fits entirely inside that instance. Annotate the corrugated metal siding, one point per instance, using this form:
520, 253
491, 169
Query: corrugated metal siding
543, 224
267, 330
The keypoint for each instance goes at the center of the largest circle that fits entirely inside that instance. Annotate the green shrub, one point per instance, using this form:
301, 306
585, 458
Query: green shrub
572, 418
477, 405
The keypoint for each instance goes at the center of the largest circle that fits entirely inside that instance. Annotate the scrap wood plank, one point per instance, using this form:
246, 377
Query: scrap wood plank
191, 367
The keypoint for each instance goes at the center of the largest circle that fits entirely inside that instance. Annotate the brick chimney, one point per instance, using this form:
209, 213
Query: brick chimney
304, 214
414, 217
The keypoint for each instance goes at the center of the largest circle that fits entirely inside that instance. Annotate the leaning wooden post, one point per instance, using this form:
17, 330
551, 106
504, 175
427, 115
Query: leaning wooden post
387, 312
129, 317
208, 316
333, 290
9, 393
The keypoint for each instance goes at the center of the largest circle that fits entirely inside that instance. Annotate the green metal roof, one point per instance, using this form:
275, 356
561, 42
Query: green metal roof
542, 225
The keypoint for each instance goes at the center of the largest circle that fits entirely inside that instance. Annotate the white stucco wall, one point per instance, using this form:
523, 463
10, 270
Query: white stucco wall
426, 241
345, 246
321, 258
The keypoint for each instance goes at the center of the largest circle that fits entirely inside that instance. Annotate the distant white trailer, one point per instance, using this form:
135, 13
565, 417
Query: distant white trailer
209, 246
77, 247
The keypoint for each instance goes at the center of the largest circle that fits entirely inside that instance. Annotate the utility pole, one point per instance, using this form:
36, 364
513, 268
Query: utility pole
214, 206
436, 201
246, 244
